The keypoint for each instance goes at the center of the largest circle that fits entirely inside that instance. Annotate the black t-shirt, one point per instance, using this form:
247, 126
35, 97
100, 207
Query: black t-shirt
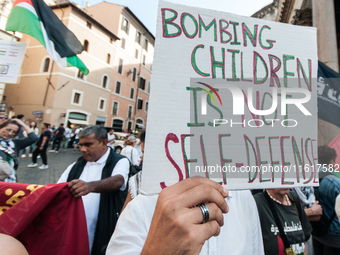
47, 134
296, 231
60, 131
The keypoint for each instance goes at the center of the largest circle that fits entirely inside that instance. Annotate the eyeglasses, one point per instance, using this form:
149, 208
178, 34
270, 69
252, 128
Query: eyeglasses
3, 118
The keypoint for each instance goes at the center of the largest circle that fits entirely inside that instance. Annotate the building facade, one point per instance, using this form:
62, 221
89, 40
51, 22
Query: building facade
134, 57
65, 95
325, 16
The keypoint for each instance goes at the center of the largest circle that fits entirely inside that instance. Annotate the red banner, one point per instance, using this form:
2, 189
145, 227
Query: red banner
47, 220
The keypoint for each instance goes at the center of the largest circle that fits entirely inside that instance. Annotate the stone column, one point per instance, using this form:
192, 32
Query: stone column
324, 21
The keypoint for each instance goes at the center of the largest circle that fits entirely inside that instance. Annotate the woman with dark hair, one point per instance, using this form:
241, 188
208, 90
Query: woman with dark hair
9, 148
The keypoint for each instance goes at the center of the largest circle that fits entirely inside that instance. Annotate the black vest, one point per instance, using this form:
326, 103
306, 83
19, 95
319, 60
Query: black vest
110, 204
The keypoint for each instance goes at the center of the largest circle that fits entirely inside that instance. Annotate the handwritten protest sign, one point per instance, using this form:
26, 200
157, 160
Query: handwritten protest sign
233, 99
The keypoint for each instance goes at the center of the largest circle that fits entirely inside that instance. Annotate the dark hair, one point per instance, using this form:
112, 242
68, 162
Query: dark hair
142, 136
326, 154
20, 116
13, 122
99, 132
46, 125
61, 124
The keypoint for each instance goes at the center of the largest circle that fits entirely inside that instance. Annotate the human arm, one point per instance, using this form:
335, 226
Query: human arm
176, 224
81, 188
111, 141
118, 180
24, 142
127, 200
314, 212
44, 141
24, 126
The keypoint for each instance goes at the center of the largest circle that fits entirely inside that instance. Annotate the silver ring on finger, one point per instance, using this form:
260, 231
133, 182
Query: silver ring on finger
205, 212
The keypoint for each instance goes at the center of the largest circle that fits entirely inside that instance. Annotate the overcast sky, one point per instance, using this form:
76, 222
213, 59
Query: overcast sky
146, 10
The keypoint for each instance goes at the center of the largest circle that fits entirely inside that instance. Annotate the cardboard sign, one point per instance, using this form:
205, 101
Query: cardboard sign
11, 58
233, 99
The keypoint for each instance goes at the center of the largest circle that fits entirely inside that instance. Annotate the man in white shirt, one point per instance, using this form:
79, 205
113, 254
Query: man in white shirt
100, 178
174, 222
111, 138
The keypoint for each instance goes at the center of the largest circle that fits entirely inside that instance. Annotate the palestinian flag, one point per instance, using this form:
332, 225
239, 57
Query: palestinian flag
35, 18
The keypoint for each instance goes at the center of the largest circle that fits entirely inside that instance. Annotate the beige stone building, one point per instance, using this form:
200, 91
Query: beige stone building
129, 99
104, 96
325, 16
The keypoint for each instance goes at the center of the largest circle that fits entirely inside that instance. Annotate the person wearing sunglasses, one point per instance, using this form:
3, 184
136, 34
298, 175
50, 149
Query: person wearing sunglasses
3, 117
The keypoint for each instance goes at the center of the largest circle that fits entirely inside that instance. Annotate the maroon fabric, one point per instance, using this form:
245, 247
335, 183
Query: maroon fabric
48, 220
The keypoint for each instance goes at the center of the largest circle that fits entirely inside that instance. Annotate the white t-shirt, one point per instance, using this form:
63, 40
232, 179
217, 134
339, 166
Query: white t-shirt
132, 154
67, 132
93, 172
110, 137
240, 235
77, 132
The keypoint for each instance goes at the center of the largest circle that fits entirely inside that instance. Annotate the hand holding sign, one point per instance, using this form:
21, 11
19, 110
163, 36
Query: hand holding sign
176, 224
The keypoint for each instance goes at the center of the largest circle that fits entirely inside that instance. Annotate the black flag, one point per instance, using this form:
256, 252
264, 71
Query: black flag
328, 94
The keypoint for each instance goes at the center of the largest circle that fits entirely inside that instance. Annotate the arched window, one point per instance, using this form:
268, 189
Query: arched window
108, 59
86, 45
104, 82
46, 65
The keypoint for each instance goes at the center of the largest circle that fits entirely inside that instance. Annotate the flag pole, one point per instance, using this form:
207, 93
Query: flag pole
48, 83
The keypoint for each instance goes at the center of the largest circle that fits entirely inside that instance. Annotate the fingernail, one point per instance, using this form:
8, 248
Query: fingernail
225, 192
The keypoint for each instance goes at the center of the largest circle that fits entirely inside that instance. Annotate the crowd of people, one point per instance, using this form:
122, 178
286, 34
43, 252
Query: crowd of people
194, 216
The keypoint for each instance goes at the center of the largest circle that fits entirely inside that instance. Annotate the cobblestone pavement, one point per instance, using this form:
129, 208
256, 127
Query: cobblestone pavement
57, 163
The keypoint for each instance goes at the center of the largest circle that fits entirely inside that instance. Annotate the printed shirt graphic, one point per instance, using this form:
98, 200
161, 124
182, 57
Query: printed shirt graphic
297, 231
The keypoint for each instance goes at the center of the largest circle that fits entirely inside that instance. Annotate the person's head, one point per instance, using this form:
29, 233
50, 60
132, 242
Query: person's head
93, 142
44, 126
131, 141
326, 155
3, 117
33, 124
61, 125
21, 117
111, 131
9, 129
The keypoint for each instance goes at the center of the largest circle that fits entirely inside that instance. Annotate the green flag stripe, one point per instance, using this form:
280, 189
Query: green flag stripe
24, 21
76, 62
